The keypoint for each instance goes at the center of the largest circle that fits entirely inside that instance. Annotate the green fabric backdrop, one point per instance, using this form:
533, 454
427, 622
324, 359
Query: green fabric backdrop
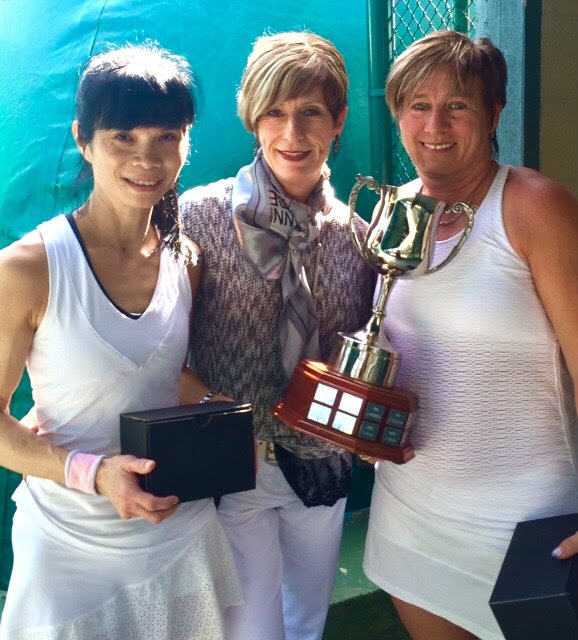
42, 45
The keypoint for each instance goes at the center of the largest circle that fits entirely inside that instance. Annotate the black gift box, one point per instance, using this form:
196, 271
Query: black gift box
201, 450
536, 595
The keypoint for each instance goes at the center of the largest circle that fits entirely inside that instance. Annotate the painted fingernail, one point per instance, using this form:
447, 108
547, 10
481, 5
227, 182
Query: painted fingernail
557, 552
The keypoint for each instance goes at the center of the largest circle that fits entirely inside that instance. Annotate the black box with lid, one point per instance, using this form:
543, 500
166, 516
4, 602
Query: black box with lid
201, 450
536, 595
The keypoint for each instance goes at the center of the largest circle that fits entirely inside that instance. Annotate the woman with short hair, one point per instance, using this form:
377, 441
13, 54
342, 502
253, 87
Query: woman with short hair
489, 345
281, 277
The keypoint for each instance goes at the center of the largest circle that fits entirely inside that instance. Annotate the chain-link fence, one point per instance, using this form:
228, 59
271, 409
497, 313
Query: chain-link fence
412, 19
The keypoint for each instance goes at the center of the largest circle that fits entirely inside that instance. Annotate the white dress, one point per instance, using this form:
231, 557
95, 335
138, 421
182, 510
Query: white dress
495, 434
80, 572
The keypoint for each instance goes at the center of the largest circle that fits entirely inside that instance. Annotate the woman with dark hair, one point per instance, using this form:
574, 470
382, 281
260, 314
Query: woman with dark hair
282, 277
97, 305
489, 345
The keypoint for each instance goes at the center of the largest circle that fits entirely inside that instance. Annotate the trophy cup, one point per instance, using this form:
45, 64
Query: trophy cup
351, 401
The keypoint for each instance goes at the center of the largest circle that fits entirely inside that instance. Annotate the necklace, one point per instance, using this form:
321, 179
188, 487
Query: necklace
459, 207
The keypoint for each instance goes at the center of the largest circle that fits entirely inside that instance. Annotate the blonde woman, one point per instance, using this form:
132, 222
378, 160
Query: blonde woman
281, 277
489, 345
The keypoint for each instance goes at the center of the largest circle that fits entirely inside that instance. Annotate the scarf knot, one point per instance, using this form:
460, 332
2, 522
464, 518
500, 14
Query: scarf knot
300, 237
274, 231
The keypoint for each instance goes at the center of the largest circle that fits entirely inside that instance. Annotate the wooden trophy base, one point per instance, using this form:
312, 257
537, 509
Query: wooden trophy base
359, 417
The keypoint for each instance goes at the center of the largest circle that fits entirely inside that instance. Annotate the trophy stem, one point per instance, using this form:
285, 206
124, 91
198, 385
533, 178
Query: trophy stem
372, 332
367, 355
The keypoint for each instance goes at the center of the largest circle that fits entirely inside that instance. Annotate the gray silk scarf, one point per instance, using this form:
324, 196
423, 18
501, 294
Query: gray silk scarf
273, 231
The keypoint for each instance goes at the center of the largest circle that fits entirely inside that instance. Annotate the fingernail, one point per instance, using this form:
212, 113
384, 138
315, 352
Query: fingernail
557, 552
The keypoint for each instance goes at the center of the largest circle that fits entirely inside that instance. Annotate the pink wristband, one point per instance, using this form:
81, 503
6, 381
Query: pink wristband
80, 471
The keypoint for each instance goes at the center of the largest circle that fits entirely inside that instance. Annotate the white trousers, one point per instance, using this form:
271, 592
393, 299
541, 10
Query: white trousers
286, 554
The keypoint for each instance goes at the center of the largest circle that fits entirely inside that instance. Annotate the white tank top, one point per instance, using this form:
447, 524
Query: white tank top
495, 434
90, 362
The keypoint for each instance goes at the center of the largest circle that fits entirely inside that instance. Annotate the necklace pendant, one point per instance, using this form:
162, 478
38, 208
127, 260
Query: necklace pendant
457, 209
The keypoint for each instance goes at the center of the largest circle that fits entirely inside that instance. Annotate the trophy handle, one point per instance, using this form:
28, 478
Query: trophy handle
370, 183
465, 233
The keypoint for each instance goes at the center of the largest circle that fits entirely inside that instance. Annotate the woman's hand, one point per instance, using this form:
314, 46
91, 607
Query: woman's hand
116, 480
567, 548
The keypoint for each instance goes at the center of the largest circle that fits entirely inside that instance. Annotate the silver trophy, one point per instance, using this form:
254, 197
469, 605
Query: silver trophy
399, 244
351, 401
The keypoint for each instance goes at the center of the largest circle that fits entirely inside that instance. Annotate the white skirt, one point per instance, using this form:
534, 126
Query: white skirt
441, 569
58, 592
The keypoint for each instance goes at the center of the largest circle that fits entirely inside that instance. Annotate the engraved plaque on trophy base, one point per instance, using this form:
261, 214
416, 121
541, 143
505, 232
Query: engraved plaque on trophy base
359, 417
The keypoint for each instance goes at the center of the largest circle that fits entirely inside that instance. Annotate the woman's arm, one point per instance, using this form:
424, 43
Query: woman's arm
541, 219
24, 293
192, 389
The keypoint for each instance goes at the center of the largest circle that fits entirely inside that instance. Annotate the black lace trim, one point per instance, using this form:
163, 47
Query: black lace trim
320, 481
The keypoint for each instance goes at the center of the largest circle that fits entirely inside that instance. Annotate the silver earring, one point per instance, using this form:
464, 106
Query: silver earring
256, 146
335, 147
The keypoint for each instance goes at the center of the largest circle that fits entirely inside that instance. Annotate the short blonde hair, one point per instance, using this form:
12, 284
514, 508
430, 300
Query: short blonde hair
465, 60
286, 65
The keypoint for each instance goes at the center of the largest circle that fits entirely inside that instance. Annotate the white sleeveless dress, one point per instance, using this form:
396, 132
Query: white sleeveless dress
495, 434
80, 572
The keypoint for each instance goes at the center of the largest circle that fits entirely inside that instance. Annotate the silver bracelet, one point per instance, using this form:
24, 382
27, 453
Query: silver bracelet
209, 396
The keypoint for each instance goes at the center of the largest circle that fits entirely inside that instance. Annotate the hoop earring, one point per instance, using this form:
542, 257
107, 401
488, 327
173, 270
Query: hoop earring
256, 146
335, 146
